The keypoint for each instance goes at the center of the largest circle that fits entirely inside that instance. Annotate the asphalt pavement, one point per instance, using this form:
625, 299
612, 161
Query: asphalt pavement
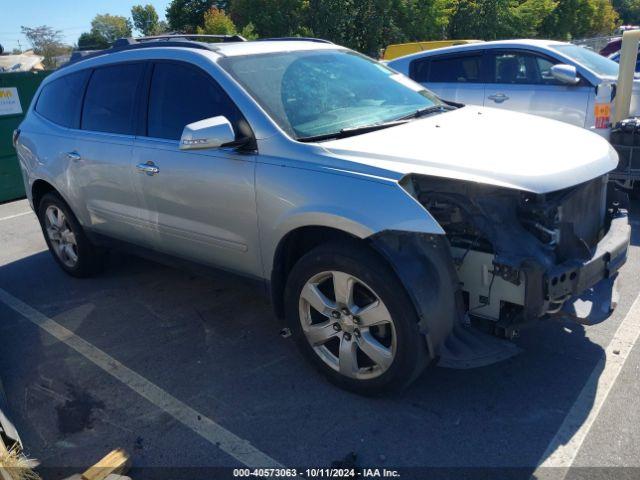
190, 372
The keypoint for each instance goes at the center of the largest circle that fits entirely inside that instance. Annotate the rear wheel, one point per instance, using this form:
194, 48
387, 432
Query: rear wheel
353, 319
66, 239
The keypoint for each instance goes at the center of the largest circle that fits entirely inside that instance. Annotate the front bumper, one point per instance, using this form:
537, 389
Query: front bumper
574, 277
580, 289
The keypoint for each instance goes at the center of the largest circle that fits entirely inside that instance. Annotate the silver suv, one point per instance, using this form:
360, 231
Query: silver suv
383, 221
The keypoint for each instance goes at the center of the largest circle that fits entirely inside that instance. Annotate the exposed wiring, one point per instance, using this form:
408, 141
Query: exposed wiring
493, 276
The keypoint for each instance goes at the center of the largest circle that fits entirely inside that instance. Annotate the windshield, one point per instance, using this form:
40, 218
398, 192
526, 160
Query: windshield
321, 92
590, 59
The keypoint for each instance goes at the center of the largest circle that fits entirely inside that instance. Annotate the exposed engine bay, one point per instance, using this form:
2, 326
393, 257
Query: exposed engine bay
520, 256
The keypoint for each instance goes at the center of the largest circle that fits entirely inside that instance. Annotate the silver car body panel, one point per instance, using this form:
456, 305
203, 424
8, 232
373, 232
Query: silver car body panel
449, 145
230, 209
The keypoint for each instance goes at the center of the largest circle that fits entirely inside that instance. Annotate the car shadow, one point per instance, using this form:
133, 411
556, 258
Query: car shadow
214, 343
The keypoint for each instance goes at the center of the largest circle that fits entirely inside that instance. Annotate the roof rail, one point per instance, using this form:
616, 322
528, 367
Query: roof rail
191, 36
289, 39
170, 40
177, 39
121, 47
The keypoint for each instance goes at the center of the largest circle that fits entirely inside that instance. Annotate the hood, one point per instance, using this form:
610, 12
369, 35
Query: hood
485, 145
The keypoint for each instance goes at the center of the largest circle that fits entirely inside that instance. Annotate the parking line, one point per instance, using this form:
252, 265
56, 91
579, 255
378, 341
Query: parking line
566, 443
229, 443
16, 215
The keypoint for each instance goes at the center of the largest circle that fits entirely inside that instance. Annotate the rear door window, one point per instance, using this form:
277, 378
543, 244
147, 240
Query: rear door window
181, 94
110, 101
60, 100
455, 69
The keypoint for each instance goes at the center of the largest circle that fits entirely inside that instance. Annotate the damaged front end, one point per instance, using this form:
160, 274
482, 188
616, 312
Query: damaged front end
520, 256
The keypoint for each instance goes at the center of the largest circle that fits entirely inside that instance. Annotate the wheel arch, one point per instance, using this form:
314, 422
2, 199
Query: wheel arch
291, 248
422, 262
41, 186
39, 189
425, 267
299, 230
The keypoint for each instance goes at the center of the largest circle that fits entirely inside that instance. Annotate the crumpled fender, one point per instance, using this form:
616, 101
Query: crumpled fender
424, 265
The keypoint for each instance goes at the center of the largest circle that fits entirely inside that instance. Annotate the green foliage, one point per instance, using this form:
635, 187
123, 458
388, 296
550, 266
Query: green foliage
496, 19
216, 22
188, 15
105, 29
629, 11
364, 25
369, 25
579, 18
162, 27
249, 31
111, 27
145, 19
424, 19
92, 41
530, 15
270, 18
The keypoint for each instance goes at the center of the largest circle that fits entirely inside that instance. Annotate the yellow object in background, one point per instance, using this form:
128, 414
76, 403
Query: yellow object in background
401, 49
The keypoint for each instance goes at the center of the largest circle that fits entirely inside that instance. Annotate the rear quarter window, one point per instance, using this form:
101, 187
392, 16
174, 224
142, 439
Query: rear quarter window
61, 100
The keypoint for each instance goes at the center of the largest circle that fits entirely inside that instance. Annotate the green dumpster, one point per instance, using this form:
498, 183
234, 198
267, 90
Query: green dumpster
16, 91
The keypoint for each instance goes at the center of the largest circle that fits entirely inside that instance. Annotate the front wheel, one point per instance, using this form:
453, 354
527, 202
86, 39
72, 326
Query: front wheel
352, 318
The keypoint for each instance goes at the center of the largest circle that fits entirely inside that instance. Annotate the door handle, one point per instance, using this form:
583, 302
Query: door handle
498, 97
75, 156
149, 168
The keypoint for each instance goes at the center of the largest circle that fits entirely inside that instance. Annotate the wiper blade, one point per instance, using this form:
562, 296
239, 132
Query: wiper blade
422, 112
352, 131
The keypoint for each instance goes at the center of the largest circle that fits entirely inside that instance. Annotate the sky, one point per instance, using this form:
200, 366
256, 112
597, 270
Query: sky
72, 17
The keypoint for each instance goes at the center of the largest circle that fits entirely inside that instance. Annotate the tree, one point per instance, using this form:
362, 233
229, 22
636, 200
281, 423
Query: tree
111, 27
272, 18
216, 22
605, 18
92, 41
629, 11
484, 19
188, 15
579, 18
162, 27
531, 14
145, 19
46, 42
423, 19
249, 31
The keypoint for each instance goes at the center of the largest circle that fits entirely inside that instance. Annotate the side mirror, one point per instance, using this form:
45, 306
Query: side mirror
565, 74
208, 133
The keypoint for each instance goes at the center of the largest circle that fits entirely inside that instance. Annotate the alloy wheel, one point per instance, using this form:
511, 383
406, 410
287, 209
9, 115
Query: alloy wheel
61, 236
347, 324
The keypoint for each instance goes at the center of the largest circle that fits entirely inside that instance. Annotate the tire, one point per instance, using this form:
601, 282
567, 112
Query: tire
67, 242
399, 350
